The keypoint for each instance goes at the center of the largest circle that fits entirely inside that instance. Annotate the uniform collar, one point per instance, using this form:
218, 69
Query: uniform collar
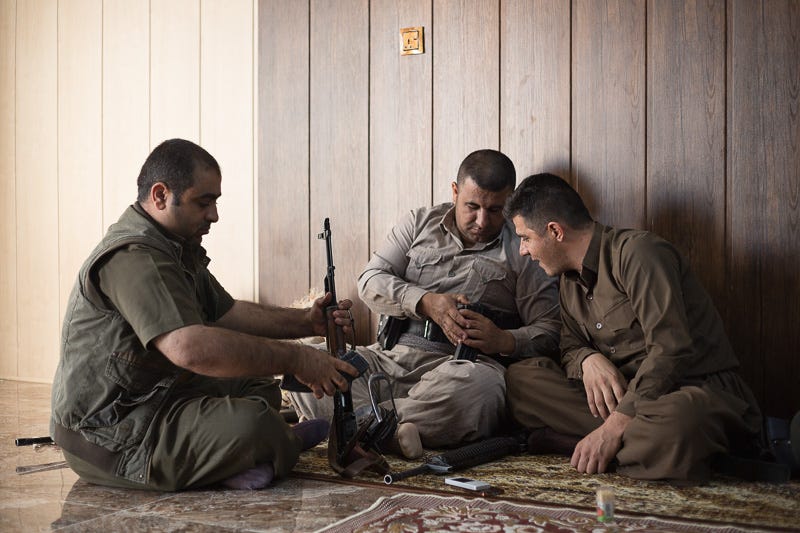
591, 261
189, 254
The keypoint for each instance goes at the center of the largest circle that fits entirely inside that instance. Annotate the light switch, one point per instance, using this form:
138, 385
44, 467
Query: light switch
412, 41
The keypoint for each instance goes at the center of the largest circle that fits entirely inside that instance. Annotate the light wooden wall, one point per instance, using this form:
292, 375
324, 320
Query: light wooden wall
87, 89
676, 116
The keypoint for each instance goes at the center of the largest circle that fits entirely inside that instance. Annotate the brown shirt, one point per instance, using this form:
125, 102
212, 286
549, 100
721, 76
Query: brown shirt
154, 294
637, 302
424, 253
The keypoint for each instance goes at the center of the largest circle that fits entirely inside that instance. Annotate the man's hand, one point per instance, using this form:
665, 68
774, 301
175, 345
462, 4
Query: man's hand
484, 335
320, 372
441, 308
605, 385
319, 320
598, 448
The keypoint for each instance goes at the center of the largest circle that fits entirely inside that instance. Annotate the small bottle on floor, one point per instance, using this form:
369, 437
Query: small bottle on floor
605, 505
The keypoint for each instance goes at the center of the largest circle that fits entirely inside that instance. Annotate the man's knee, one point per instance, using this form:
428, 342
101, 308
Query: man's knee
248, 420
457, 380
682, 414
524, 376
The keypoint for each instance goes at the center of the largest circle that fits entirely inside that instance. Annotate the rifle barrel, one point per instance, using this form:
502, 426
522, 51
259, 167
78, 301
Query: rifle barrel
391, 477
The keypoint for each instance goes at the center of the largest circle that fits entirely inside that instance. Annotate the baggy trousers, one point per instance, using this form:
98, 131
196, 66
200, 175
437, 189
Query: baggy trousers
672, 437
212, 429
450, 402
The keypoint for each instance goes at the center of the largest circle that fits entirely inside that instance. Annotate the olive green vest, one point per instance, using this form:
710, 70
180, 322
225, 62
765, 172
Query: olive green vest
109, 388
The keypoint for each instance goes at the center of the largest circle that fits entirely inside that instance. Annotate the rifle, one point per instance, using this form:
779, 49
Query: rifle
351, 449
470, 455
337, 345
345, 426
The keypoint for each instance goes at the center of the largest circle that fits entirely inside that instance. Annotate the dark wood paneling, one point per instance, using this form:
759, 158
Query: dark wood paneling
535, 85
401, 110
608, 109
283, 196
686, 133
339, 141
466, 80
388, 134
763, 194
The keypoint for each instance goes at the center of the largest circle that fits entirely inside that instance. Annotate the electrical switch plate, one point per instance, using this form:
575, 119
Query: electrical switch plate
412, 41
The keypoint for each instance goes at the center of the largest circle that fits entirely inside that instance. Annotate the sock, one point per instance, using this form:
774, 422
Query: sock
254, 478
311, 432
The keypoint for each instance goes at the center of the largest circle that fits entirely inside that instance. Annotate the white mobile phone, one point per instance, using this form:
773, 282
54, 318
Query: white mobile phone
467, 483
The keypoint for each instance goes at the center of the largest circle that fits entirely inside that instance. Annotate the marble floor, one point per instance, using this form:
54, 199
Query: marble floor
57, 500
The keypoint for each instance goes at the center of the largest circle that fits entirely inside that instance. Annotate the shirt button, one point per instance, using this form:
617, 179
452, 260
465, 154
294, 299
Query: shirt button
451, 274
599, 325
590, 296
612, 350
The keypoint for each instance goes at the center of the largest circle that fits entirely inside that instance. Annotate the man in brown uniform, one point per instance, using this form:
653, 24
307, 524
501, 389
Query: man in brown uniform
165, 381
648, 375
434, 259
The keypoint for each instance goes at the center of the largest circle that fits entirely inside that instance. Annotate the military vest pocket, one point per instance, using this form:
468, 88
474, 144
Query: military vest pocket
142, 388
140, 373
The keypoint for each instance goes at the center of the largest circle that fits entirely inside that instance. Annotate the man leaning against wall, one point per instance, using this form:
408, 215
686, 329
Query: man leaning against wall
647, 382
435, 259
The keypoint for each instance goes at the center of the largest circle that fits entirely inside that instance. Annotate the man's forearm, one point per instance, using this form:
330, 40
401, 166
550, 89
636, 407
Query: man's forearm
267, 321
219, 352
387, 294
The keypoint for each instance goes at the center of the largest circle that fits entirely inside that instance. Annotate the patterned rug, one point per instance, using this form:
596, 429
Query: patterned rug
420, 513
546, 479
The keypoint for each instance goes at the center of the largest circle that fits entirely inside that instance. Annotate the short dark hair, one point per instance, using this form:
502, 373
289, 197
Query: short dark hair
544, 198
489, 169
173, 163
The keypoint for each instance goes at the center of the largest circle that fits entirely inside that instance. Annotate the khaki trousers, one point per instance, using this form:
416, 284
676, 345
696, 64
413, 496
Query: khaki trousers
450, 402
213, 429
672, 437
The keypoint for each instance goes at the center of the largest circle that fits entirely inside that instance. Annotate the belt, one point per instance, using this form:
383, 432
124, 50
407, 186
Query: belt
427, 329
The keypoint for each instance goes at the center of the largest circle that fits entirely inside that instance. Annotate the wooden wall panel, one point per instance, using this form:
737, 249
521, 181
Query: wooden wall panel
126, 102
80, 196
686, 133
283, 191
535, 86
39, 323
608, 109
8, 219
226, 131
763, 195
339, 143
174, 70
466, 86
401, 110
